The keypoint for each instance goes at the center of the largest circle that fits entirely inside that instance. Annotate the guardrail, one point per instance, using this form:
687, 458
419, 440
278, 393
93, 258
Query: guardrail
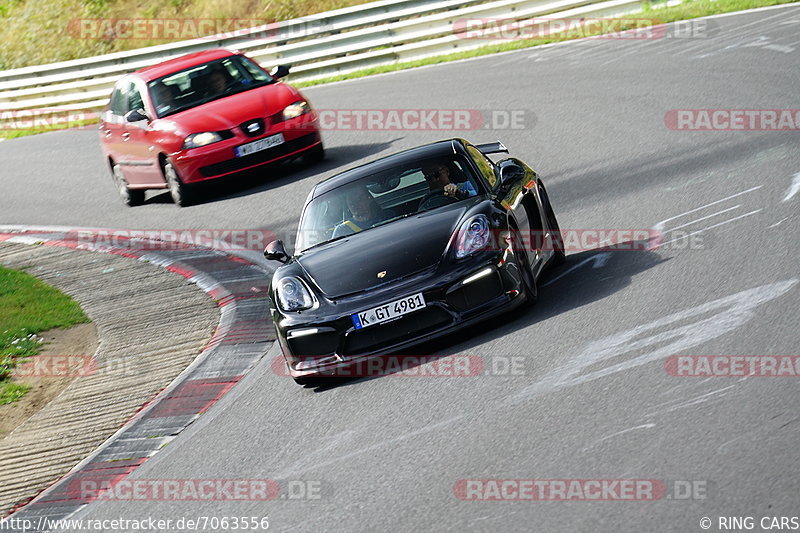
335, 42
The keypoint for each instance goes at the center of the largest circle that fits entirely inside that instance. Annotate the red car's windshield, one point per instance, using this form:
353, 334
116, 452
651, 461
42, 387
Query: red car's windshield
197, 85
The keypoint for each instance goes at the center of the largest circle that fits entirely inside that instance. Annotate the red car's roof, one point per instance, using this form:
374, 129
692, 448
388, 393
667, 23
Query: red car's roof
182, 62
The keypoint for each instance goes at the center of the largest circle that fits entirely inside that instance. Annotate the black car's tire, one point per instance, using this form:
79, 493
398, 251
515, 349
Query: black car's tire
129, 197
181, 192
559, 256
310, 381
528, 287
315, 155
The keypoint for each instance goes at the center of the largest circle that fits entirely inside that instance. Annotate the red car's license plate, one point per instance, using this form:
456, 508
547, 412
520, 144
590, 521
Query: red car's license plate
259, 145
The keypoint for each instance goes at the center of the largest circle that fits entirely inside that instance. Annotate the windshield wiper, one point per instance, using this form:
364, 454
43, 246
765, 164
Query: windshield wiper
393, 219
328, 241
178, 109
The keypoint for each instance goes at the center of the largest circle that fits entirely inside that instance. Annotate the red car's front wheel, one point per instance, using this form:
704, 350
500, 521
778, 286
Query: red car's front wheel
179, 191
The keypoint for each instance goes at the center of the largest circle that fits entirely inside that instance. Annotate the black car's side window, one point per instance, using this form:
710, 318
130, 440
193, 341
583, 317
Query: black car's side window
487, 168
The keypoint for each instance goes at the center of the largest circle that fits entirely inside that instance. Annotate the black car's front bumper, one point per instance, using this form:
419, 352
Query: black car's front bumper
325, 339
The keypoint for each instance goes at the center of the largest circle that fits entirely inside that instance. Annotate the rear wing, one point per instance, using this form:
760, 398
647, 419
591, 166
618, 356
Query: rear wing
492, 148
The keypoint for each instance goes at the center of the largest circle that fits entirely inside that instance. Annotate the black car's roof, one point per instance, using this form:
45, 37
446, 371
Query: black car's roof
444, 148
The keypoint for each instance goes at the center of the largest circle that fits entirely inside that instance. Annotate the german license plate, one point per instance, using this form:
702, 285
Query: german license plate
259, 145
382, 313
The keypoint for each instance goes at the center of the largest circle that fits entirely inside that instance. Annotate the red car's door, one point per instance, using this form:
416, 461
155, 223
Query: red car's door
111, 120
142, 155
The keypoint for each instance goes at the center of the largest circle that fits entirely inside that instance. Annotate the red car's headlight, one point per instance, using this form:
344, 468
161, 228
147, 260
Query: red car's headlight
196, 140
296, 109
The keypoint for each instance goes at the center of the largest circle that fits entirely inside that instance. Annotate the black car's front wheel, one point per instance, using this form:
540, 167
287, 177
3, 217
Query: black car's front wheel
527, 281
312, 381
559, 256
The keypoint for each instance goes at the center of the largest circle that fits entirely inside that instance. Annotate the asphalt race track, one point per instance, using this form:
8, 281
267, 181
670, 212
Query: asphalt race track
590, 397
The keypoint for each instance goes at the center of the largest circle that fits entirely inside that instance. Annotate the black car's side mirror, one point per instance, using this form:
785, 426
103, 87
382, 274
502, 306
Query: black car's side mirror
281, 71
275, 251
136, 115
510, 172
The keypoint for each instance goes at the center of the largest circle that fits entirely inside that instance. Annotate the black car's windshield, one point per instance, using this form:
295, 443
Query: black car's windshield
384, 198
203, 83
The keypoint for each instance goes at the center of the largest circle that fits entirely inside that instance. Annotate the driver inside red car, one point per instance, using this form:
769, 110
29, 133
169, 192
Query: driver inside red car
218, 80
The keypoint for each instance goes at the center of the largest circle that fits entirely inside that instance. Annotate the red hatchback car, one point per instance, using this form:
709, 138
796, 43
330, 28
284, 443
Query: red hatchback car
200, 117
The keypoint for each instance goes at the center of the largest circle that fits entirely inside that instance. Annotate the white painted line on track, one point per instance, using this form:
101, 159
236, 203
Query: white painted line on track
705, 217
651, 342
794, 189
713, 226
661, 224
618, 433
681, 404
778, 223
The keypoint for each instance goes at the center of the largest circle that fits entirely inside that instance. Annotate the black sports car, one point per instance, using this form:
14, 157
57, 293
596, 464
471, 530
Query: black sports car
406, 248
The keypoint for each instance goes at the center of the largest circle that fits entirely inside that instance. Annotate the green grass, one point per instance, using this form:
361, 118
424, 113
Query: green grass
28, 306
34, 32
11, 392
14, 133
687, 10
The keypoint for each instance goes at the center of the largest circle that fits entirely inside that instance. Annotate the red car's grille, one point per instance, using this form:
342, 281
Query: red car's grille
239, 163
252, 128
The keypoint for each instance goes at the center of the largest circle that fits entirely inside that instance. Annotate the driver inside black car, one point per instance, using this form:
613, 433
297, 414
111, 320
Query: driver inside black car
442, 190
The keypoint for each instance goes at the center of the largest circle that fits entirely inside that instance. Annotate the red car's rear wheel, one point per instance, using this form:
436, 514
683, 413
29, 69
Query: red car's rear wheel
129, 197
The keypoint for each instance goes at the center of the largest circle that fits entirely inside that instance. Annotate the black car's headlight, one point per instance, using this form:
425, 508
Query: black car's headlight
196, 140
473, 235
293, 295
296, 109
